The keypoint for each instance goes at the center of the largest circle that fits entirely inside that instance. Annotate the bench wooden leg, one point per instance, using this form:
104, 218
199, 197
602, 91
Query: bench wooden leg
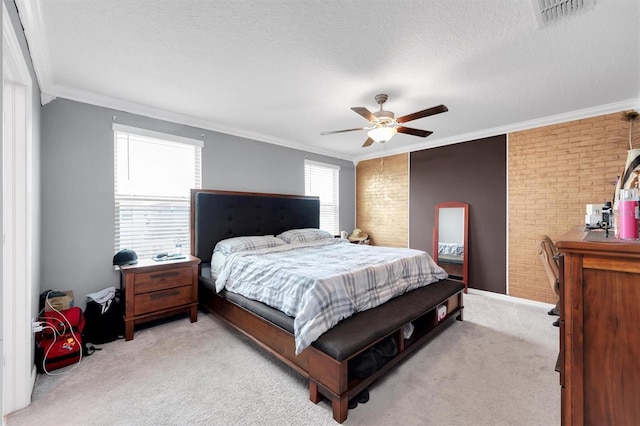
340, 406
340, 409
314, 394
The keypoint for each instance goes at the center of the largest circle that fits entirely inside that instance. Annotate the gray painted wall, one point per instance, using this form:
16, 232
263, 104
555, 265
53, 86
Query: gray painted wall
77, 186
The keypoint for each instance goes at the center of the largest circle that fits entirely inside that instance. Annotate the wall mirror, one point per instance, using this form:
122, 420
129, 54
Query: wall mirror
451, 239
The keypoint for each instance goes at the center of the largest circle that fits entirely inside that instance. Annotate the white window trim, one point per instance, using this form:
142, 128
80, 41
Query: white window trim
161, 137
157, 135
320, 164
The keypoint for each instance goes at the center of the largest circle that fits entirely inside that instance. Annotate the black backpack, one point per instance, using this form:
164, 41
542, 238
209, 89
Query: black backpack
104, 324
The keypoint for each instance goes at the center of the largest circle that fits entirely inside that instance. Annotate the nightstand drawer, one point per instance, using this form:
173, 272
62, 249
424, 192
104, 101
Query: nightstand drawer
163, 299
159, 280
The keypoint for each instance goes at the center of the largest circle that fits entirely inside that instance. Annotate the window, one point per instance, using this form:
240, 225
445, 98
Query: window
322, 180
154, 173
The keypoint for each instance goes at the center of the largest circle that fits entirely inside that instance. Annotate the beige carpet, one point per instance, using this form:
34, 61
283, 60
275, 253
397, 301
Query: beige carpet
494, 368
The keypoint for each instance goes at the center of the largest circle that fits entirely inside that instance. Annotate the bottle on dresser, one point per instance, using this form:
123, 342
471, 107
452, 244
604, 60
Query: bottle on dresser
627, 211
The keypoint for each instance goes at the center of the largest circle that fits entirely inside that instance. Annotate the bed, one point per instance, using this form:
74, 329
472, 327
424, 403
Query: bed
325, 360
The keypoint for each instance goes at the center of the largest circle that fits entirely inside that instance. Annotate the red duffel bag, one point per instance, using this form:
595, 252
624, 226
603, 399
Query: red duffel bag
60, 342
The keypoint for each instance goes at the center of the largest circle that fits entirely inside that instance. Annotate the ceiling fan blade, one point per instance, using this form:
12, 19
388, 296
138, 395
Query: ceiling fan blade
424, 113
341, 131
414, 132
365, 113
368, 142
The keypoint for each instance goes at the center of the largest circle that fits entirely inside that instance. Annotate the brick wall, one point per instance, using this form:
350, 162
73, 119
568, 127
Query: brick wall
553, 172
382, 200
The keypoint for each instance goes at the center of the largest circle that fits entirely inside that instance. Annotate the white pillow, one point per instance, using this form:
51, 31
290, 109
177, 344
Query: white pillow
304, 235
236, 244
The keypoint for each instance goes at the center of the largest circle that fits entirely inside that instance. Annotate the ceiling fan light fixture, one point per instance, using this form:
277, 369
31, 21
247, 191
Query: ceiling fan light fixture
384, 125
382, 134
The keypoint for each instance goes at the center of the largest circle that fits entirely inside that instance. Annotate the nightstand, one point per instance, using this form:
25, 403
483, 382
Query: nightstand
158, 289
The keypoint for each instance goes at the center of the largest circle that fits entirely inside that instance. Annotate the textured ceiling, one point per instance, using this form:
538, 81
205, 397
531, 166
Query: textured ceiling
285, 71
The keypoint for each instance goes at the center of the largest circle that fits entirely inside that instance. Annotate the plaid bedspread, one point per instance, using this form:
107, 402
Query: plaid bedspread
323, 282
451, 248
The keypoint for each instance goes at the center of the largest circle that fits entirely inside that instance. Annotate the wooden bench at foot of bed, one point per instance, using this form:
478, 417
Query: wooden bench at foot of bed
326, 362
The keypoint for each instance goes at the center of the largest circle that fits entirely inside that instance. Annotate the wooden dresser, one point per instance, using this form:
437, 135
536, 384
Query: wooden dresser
158, 289
599, 329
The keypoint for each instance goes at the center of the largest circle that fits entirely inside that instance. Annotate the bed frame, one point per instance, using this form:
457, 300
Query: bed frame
216, 215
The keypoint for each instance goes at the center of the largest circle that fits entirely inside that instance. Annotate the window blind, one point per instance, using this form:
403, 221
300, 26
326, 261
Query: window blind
322, 180
154, 173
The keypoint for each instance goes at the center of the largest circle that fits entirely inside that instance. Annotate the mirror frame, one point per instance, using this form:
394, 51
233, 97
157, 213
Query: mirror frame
436, 228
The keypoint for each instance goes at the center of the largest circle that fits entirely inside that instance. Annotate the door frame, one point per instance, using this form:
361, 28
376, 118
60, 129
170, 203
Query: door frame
18, 369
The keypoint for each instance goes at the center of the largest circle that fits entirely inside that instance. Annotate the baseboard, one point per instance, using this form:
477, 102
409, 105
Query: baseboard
510, 298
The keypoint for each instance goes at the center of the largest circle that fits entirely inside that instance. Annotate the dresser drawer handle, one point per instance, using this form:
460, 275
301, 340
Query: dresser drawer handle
165, 294
165, 274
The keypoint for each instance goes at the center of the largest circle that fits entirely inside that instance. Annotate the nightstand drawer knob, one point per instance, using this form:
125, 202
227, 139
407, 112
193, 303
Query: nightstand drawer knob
165, 294
165, 275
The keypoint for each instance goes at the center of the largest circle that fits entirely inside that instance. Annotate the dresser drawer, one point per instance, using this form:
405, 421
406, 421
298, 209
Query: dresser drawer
163, 299
159, 280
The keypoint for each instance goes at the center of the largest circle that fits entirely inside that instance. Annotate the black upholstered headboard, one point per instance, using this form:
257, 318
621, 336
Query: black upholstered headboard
216, 215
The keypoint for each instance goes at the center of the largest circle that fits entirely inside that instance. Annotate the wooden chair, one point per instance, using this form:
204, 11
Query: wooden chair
548, 252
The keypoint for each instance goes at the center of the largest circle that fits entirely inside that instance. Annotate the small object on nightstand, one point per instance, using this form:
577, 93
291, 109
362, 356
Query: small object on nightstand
357, 236
125, 257
160, 257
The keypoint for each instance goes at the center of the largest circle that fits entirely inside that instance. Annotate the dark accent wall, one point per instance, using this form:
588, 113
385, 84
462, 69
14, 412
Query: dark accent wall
472, 172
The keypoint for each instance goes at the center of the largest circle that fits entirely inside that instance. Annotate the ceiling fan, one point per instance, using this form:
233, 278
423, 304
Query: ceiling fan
383, 124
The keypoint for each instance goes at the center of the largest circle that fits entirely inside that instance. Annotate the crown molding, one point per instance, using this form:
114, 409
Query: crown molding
516, 127
45, 98
161, 114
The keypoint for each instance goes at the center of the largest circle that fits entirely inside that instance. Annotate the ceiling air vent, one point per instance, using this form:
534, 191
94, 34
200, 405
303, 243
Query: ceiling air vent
550, 11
